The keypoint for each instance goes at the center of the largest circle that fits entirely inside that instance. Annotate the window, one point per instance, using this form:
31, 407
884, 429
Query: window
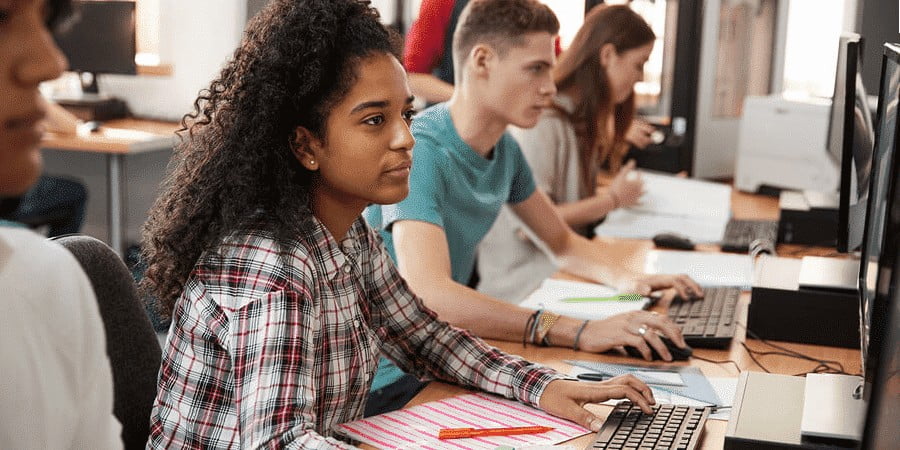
813, 30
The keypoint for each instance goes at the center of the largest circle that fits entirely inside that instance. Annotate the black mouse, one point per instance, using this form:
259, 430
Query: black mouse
673, 240
678, 353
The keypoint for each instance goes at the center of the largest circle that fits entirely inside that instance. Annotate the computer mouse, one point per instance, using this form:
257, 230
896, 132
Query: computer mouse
678, 353
673, 240
93, 125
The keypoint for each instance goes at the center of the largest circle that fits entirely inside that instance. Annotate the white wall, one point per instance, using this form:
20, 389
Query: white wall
197, 37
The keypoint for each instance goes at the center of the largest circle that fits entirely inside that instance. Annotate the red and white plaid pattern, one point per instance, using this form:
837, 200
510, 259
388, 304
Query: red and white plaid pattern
272, 345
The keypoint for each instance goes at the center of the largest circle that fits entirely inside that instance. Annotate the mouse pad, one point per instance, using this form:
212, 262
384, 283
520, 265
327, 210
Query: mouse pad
695, 385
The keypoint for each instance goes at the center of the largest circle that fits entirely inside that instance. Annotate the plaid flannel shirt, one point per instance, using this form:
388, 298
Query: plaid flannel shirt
273, 345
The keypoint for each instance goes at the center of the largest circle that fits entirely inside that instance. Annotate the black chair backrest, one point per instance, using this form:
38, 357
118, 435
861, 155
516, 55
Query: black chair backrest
131, 344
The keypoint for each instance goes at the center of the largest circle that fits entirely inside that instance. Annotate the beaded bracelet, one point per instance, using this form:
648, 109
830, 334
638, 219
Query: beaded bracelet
578, 334
544, 324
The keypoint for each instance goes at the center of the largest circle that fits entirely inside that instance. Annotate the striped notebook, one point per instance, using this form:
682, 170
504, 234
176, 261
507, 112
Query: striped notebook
418, 427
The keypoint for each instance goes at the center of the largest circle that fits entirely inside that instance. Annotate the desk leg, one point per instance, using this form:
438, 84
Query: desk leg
115, 166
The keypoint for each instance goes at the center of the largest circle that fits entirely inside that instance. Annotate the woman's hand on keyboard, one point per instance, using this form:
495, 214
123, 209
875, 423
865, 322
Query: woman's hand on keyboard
639, 329
671, 286
566, 398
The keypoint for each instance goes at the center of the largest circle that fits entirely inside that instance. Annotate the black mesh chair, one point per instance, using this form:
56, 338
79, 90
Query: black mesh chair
131, 344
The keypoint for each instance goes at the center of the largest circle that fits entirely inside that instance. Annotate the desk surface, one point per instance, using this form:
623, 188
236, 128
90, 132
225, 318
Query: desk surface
744, 206
121, 136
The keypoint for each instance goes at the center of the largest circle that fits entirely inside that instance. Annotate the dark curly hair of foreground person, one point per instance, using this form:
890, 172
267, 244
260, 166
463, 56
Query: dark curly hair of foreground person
235, 166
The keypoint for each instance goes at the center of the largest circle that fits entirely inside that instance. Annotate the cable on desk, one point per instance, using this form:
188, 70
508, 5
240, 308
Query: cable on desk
823, 365
726, 361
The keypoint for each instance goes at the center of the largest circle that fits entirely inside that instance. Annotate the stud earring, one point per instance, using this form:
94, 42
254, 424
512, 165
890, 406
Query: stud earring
312, 162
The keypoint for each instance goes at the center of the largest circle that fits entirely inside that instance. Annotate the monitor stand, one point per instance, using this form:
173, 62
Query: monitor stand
831, 407
90, 104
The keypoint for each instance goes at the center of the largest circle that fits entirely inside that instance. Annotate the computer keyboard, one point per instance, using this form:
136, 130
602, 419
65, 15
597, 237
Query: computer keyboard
708, 322
671, 426
740, 234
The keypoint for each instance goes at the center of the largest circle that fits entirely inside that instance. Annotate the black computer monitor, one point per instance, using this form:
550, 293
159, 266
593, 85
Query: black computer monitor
850, 137
883, 409
882, 229
101, 39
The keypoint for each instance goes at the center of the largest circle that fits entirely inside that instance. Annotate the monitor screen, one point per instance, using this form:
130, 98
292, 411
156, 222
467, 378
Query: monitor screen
883, 415
878, 252
101, 39
850, 142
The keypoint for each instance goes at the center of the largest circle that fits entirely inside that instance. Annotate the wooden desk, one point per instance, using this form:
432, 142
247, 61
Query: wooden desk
117, 139
632, 253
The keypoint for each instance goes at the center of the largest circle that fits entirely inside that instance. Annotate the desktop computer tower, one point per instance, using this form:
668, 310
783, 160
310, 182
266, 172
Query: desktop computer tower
768, 413
817, 304
807, 218
89, 107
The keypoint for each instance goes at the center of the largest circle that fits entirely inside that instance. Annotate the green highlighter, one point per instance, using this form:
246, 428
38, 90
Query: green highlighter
614, 298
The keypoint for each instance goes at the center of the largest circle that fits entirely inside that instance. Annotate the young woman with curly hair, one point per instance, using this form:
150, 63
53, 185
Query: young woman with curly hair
281, 297
586, 128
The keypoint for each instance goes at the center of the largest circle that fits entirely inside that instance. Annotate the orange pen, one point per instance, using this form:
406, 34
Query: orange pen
457, 433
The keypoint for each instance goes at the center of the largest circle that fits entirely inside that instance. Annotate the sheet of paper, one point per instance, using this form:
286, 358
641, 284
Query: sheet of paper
625, 223
725, 388
552, 291
683, 197
706, 268
418, 427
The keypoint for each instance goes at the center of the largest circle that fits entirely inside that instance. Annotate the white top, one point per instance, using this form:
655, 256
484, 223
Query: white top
56, 384
512, 262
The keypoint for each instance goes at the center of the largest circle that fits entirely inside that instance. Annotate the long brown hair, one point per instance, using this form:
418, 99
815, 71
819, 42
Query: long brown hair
579, 71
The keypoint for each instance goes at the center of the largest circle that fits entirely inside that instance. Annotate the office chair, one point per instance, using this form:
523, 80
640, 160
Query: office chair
131, 344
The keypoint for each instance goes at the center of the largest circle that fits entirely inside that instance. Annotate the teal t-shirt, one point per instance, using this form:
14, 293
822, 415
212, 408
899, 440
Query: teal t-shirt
455, 188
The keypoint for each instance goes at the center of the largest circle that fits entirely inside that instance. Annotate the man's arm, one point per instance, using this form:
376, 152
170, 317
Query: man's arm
423, 259
579, 256
429, 87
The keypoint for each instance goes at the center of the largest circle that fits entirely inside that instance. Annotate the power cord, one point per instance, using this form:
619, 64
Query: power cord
823, 365
726, 361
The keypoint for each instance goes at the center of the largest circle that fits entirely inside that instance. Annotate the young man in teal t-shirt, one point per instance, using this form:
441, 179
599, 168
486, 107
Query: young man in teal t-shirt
465, 167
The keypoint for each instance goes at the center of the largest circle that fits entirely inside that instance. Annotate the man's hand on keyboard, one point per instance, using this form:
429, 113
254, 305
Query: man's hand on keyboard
566, 398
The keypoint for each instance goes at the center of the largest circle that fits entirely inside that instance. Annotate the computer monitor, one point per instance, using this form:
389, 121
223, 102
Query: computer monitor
850, 141
101, 39
883, 410
882, 229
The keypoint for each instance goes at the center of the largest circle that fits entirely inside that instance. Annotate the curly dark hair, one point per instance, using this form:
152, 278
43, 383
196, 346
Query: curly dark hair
235, 167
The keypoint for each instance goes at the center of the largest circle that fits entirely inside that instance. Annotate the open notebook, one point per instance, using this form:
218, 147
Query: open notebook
552, 295
695, 208
418, 427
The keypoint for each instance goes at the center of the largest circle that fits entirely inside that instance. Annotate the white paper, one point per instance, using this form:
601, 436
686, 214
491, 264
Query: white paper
551, 292
625, 223
725, 388
706, 268
697, 209
683, 197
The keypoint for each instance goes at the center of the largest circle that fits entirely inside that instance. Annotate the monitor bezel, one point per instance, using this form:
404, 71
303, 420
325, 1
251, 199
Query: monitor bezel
853, 43
891, 52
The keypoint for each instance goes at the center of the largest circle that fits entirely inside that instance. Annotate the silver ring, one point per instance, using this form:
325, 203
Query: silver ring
642, 330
